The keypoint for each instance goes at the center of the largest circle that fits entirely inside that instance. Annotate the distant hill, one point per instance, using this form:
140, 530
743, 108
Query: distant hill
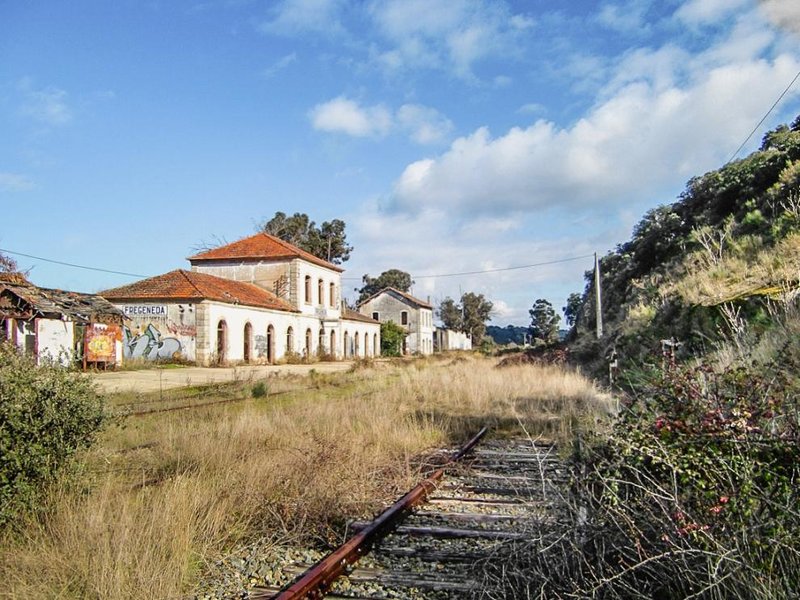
507, 335
708, 269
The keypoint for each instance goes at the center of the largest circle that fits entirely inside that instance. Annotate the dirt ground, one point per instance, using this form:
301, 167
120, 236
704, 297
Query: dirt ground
153, 380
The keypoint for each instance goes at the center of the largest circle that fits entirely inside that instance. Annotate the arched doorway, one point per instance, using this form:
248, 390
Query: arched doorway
321, 342
270, 344
248, 342
309, 341
346, 345
222, 341
376, 351
333, 344
357, 345
289, 341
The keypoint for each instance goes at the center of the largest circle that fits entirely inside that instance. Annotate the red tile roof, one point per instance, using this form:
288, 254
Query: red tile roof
188, 285
261, 246
403, 295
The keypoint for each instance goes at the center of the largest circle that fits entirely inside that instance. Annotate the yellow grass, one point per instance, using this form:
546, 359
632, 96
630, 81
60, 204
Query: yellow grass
164, 494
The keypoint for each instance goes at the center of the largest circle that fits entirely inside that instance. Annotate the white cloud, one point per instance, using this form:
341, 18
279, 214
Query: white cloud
628, 17
291, 17
423, 124
783, 13
705, 12
662, 116
342, 115
452, 34
279, 65
45, 105
14, 182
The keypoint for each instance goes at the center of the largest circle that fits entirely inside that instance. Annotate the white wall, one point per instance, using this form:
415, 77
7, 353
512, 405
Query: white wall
159, 330
55, 339
324, 309
369, 339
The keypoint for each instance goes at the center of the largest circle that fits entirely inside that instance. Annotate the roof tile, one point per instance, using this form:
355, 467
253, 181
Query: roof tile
261, 246
189, 285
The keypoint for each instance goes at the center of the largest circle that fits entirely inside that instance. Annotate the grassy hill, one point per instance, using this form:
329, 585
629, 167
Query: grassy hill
717, 269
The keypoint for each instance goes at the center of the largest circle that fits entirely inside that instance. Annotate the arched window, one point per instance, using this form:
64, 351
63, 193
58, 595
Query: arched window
270, 344
308, 289
309, 342
289, 340
222, 341
404, 317
332, 291
321, 292
248, 342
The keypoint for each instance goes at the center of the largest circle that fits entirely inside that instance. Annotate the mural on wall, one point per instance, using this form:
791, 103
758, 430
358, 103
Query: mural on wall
261, 343
149, 344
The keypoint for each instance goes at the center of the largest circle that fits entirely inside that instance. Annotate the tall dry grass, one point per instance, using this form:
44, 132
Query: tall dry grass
165, 494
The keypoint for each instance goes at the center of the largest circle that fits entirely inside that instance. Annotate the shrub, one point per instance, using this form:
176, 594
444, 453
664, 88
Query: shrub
260, 390
47, 414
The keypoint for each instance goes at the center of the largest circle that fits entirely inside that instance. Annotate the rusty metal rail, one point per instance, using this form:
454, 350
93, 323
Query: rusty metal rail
318, 579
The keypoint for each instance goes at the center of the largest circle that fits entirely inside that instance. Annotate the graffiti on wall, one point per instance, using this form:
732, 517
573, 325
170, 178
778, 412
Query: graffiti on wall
99, 342
149, 344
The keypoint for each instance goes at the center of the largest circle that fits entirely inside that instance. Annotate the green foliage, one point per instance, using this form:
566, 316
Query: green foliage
259, 390
392, 336
739, 211
47, 414
469, 316
544, 321
400, 280
572, 308
328, 241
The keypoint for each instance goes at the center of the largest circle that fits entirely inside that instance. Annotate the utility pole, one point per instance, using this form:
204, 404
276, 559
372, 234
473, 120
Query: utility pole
598, 297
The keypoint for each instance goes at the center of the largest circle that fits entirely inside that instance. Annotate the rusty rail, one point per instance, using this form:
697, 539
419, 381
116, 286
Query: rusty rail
318, 579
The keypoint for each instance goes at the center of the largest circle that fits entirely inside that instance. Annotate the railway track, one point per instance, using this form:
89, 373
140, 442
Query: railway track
500, 492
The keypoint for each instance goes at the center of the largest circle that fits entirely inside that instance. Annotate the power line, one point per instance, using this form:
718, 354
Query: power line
764, 118
541, 264
66, 264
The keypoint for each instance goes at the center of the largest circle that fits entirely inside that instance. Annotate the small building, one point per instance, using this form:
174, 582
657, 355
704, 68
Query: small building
68, 327
448, 339
413, 314
256, 300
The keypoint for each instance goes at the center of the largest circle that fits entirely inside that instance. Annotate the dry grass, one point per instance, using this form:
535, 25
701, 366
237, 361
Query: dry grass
165, 493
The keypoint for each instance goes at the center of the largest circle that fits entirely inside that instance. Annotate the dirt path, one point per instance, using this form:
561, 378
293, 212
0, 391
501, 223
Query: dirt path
153, 380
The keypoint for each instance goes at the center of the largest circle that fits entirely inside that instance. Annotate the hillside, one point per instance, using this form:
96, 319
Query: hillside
717, 270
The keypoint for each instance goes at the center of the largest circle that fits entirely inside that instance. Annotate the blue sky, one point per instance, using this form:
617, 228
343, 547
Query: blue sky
452, 136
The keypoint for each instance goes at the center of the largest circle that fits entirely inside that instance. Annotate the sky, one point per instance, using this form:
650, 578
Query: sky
452, 136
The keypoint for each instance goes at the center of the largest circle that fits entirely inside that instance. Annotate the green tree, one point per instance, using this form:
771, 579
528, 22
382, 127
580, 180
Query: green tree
47, 414
469, 315
572, 308
450, 314
395, 278
544, 321
477, 310
392, 336
328, 241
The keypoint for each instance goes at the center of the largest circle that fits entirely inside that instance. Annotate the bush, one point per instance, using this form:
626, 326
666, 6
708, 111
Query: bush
47, 414
694, 495
260, 390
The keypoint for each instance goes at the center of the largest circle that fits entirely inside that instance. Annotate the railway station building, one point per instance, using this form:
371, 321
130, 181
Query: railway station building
257, 300
413, 314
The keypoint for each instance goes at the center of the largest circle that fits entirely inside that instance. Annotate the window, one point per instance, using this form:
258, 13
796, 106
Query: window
376, 316
404, 318
333, 295
308, 289
289, 340
321, 292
